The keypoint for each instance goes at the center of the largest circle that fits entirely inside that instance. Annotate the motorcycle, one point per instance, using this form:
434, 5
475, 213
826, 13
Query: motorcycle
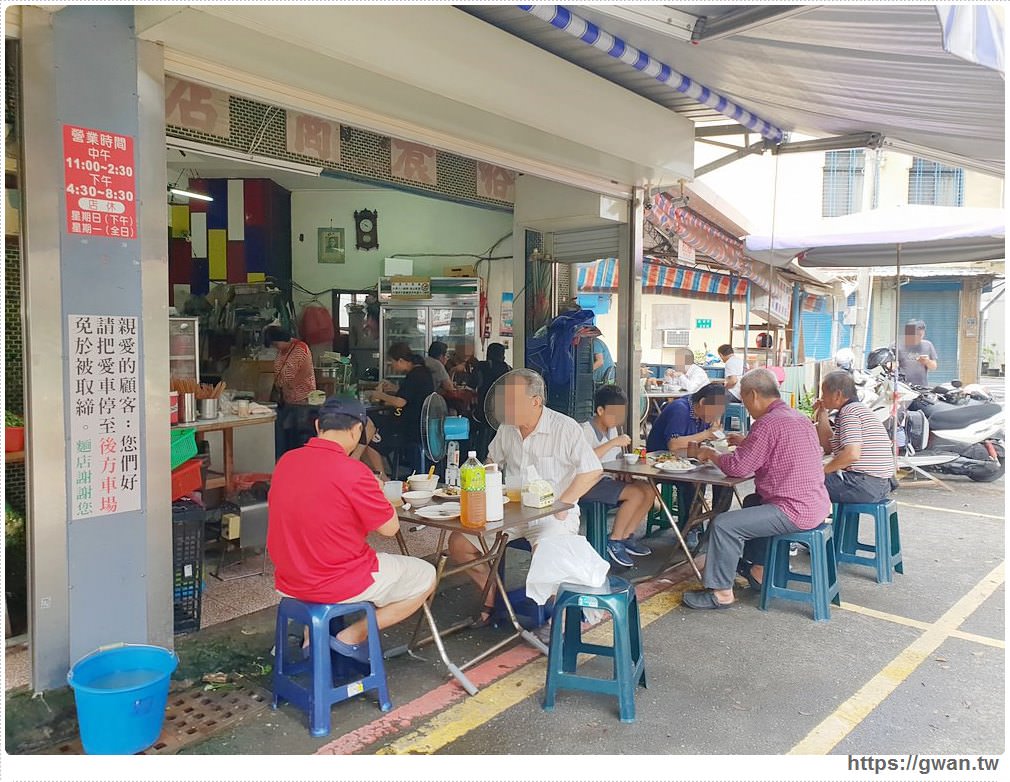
950, 430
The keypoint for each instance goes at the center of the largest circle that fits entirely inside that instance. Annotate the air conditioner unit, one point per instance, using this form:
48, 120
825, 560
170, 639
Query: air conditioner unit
676, 338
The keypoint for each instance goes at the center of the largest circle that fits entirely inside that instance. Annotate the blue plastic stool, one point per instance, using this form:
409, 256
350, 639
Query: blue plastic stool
617, 597
657, 519
885, 552
530, 614
595, 514
318, 698
823, 578
735, 418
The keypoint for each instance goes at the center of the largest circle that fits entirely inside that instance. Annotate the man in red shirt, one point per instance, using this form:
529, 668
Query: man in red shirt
784, 455
323, 504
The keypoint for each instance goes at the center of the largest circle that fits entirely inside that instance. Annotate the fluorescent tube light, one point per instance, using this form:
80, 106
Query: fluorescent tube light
242, 157
190, 194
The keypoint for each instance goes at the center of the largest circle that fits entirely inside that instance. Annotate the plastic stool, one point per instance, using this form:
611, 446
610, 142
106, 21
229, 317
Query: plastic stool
595, 514
735, 418
318, 698
617, 597
657, 519
823, 578
885, 553
530, 614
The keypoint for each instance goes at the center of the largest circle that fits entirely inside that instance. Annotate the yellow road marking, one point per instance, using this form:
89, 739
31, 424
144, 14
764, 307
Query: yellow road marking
951, 510
823, 738
491, 701
907, 622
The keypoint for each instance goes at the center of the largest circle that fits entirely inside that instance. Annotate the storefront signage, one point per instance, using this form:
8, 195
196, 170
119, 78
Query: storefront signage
495, 182
104, 415
506, 315
702, 323
100, 183
313, 137
406, 288
413, 162
195, 107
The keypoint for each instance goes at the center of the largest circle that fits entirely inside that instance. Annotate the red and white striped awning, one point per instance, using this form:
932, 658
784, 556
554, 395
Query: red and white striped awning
661, 278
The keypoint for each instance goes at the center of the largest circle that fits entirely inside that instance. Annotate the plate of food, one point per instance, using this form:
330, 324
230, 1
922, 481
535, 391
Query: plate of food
447, 493
443, 512
677, 465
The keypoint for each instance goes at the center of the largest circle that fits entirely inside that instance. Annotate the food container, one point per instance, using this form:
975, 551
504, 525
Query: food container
631, 458
538, 494
242, 407
393, 491
208, 409
418, 499
187, 409
173, 406
422, 482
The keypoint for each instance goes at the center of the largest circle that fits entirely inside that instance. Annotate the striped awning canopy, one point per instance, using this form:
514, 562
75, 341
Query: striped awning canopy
660, 278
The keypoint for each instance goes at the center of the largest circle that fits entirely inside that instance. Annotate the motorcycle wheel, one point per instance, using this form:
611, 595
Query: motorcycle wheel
987, 474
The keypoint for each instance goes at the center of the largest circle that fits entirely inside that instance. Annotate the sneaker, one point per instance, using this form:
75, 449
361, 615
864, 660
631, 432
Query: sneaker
796, 548
636, 548
692, 539
617, 552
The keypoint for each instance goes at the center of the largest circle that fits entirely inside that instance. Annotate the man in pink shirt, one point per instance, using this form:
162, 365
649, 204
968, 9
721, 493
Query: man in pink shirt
783, 454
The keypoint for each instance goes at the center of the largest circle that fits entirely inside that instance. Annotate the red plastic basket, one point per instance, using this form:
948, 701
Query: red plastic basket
187, 478
243, 481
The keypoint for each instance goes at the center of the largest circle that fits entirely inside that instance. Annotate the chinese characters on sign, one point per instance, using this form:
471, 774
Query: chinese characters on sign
104, 415
313, 137
195, 107
413, 162
100, 183
497, 183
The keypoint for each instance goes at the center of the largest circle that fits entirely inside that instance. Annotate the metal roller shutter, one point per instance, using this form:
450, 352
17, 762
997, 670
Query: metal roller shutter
937, 303
586, 245
816, 335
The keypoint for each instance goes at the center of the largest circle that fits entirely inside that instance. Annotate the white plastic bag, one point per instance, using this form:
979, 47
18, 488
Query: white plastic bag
562, 559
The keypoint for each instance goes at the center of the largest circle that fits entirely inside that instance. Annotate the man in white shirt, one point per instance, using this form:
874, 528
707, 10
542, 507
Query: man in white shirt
687, 376
533, 435
735, 370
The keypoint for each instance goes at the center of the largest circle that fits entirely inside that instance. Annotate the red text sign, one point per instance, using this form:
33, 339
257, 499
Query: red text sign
100, 183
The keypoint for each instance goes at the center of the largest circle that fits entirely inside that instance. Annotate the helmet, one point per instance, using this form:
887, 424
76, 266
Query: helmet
881, 357
844, 359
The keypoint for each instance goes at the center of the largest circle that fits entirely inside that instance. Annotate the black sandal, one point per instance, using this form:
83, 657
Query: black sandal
486, 618
744, 569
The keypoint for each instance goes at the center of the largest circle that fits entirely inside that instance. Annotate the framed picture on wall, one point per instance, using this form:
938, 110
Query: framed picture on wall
331, 245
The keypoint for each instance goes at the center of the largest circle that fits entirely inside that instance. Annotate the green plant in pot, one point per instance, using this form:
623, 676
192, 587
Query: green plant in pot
14, 432
989, 355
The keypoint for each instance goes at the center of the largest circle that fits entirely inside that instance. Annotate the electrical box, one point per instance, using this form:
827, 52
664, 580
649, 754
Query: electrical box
231, 526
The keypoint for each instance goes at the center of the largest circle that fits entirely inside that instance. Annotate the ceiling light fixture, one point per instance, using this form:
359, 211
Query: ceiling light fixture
185, 145
190, 194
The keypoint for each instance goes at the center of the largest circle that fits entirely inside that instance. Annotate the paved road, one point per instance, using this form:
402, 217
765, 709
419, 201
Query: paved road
920, 662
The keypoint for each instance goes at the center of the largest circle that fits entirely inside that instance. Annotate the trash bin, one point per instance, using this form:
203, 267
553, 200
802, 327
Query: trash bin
121, 692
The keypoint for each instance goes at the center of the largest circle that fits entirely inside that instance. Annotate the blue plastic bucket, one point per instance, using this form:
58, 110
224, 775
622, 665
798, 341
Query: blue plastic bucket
121, 694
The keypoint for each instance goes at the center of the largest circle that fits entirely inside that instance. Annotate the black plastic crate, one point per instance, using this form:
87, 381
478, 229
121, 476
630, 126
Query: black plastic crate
187, 564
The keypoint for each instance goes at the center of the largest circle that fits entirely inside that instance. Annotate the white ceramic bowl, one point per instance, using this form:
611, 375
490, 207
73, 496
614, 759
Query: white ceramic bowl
418, 498
631, 458
422, 482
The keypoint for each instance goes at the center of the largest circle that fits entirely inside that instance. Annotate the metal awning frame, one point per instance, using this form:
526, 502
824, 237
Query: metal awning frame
706, 135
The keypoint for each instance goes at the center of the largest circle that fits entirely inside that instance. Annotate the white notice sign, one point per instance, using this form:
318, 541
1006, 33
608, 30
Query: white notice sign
104, 415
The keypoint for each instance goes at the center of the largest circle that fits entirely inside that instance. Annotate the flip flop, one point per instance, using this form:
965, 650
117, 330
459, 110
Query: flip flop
357, 652
486, 618
744, 569
703, 601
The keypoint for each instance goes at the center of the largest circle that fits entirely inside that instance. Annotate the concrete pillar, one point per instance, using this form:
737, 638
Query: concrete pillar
98, 575
629, 306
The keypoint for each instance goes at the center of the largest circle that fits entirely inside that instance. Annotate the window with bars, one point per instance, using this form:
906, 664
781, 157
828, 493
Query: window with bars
933, 184
842, 191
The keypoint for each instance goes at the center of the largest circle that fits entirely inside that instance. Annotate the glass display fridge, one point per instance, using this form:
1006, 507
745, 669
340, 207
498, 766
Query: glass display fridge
447, 313
184, 348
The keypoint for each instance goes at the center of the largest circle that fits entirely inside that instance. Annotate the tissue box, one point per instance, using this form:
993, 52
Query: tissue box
538, 494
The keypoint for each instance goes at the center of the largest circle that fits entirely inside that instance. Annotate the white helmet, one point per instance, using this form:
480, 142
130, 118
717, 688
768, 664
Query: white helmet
844, 359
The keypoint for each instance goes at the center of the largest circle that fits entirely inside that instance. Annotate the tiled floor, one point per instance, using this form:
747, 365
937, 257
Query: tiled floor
226, 600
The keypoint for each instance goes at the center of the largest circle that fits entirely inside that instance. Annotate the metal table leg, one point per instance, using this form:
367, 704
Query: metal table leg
673, 523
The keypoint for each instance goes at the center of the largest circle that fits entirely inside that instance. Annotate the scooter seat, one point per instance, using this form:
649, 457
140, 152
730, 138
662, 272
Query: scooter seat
961, 416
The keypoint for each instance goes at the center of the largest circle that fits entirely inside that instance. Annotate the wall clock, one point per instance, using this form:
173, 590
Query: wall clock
367, 229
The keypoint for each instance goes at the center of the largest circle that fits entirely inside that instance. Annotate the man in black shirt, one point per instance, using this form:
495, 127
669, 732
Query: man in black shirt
407, 402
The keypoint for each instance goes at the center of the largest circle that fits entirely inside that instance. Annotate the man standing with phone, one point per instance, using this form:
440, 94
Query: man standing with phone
916, 356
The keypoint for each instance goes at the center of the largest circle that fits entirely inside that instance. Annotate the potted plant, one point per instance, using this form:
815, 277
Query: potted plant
989, 359
14, 432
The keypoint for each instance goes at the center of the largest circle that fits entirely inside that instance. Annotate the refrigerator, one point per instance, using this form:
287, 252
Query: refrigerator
446, 310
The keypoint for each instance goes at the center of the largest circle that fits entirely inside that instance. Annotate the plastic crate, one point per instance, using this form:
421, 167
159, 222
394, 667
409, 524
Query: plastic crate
187, 478
183, 446
187, 564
